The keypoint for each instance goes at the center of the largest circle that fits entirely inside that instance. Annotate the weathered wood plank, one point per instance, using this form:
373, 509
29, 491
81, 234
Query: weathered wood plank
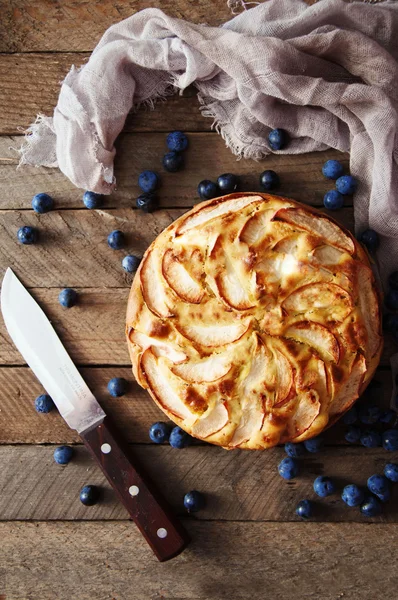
239, 485
92, 331
133, 413
233, 561
31, 84
28, 25
72, 249
301, 175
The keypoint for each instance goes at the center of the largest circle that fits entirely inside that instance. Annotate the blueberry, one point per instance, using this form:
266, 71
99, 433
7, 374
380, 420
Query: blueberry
89, 495
352, 495
147, 202
173, 161
371, 507
333, 200
314, 445
390, 440
160, 432
42, 203
387, 416
208, 189
391, 472
63, 454
44, 404
350, 416
370, 239
179, 438
391, 299
370, 439
148, 181
116, 239
346, 184
380, 486
277, 139
324, 486
92, 200
294, 450
353, 434
194, 501
117, 386
269, 180
288, 468
332, 169
177, 141
67, 297
27, 235
228, 183
130, 263
369, 414
304, 509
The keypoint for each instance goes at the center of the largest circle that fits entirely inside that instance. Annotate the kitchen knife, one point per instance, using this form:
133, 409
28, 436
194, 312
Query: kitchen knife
36, 340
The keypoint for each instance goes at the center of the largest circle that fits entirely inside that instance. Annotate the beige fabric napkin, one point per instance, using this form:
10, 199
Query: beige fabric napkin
327, 74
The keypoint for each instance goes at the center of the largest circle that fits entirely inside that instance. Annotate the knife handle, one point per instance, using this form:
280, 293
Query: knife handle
145, 504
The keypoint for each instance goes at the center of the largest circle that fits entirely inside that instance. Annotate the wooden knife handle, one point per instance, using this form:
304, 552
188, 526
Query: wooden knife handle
145, 504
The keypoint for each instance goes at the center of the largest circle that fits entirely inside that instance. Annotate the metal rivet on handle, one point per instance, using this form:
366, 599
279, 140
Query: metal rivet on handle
134, 490
106, 448
162, 532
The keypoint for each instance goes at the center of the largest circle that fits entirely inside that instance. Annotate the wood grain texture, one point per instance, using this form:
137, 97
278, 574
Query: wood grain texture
226, 561
207, 157
133, 413
239, 485
76, 25
72, 249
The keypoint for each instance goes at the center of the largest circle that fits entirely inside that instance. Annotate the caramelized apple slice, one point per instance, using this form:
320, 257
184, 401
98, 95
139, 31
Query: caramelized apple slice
284, 377
180, 280
209, 369
317, 337
211, 423
307, 410
254, 230
349, 391
152, 287
214, 209
317, 224
327, 255
315, 296
161, 387
215, 335
255, 379
230, 288
251, 421
158, 347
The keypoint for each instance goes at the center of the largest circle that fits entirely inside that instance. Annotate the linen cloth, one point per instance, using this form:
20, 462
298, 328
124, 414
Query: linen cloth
327, 74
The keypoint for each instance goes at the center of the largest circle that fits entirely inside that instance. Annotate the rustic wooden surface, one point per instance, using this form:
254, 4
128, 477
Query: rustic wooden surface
247, 543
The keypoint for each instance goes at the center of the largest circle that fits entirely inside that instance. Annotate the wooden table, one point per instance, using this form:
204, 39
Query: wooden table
248, 542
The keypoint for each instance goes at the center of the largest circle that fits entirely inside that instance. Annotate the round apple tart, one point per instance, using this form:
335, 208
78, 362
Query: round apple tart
253, 320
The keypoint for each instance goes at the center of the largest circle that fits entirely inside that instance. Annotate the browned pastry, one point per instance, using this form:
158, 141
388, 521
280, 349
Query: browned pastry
254, 320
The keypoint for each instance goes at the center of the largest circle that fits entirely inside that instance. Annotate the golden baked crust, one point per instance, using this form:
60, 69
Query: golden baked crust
253, 320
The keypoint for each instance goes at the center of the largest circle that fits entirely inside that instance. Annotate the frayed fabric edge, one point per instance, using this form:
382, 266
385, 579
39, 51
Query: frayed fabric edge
39, 133
228, 134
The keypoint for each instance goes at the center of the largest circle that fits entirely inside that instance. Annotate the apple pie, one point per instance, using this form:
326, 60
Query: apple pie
253, 320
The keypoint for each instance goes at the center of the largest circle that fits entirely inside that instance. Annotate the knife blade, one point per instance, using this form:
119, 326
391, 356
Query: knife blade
40, 346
